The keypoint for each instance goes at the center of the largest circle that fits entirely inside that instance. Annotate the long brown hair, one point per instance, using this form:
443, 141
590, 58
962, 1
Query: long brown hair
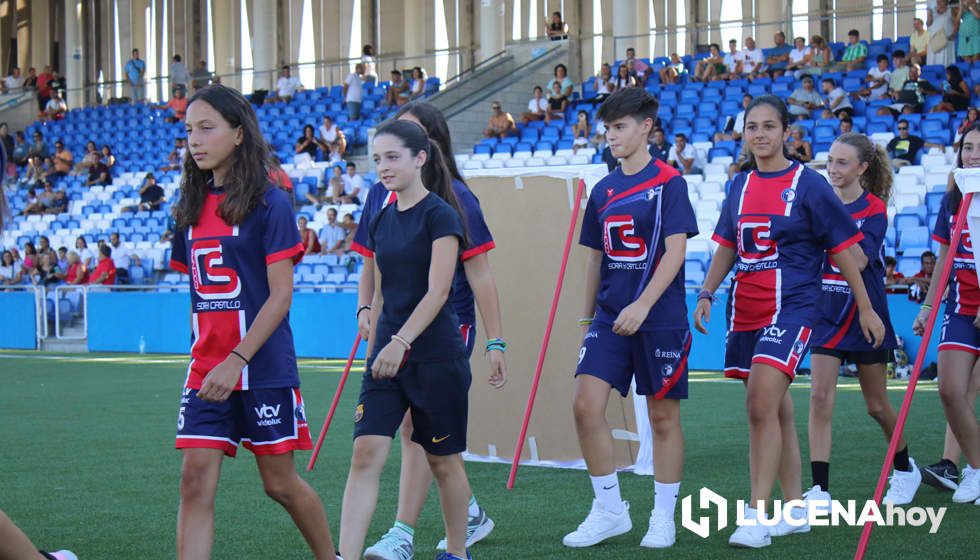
247, 179
877, 178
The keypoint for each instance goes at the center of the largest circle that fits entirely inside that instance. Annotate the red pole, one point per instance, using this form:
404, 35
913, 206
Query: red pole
576, 205
333, 405
954, 242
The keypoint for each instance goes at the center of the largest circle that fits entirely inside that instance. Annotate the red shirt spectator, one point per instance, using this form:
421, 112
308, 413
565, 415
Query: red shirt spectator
105, 272
311, 243
77, 274
179, 106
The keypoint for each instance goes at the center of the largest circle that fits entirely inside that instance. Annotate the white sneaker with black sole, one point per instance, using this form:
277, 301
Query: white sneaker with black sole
599, 525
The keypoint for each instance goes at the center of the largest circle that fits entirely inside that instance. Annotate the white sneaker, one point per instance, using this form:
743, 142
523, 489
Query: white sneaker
784, 527
750, 536
661, 532
969, 488
819, 499
599, 526
903, 485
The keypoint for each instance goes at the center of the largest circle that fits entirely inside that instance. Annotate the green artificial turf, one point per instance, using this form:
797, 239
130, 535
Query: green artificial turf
87, 463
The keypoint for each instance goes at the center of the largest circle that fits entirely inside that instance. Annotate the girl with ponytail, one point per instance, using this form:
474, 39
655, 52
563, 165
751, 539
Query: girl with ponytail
861, 176
418, 361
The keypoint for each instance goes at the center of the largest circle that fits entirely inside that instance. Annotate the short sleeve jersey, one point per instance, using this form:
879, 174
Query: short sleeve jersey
229, 285
477, 232
838, 326
628, 217
963, 297
402, 241
779, 224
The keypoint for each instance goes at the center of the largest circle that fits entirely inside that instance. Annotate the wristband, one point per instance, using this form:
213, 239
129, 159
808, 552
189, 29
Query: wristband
585, 321
401, 341
359, 309
925, 307
496, 344
705, 294
244, 359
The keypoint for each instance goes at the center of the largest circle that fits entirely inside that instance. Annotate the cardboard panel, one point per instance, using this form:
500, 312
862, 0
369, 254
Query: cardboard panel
529, 219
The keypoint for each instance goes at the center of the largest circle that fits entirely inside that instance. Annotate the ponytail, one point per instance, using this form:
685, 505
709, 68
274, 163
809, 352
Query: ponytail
437, 177
877, 178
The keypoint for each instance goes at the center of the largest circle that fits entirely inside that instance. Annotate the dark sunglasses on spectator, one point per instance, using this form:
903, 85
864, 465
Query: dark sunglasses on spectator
903, 128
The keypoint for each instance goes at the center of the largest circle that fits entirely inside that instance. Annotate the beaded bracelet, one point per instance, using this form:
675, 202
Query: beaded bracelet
496, 344
585, 321
705, 294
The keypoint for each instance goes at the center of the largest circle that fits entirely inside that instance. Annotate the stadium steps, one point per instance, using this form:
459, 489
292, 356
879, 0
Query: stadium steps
53, 344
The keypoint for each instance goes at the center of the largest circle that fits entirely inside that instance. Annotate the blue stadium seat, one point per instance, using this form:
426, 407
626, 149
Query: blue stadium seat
905, 221
913, 237
909, 266
933, 201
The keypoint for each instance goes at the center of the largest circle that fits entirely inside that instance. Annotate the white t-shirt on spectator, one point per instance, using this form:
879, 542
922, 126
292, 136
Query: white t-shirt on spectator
330, 235
537, 105
796, 56
739, 126
688, 153
876, 74
753, 60
85, 255
834, 95
328, 134
8, 272
351, 184
732, 60
121, 255
287, 86
355, 89
55, 105
13, 83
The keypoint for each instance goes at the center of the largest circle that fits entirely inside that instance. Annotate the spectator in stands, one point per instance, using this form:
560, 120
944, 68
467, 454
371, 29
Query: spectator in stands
838, 102
581, 131
556, 29
799, 57
44, 88
893, 278
30, 200
76, 272
972, 116
201, 76
325, 195
672, 72
397, 93
151, 194
684, 156
909, 99
37, 170
942, 49
599, 135
500, 124
349, 226
624, 78
39, 149
47, 272
177, 104
735, 125
846, 125
98, 174
821, 57
603, 84
956, 92
63, 161
135, 75
877, 81
753, 62
287, 86
369, 62
105, 272
778, 60
57, 84
918, 42
561, 78
354, 92
310, 240
44, 245
14, 83
307, 143
332, 141
712, 67
660, 148
919, 283
799, 148
804, 99
60, 205
353, 185
123, 256
30, 259
537, 107
417, 88
30, 81
86, 254
967, 31
63, 258
88, 160
107, 158
179, 76
854, 55
21, 148
333, 235
899, 74
639, 69
7, 142
733, 60
175, 158
904, 148
10, 273
56, 108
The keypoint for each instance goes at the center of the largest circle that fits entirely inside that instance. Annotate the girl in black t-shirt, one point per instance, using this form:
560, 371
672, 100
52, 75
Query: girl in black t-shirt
419, 359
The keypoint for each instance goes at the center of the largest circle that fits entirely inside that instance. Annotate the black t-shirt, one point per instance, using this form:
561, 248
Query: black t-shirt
96, 171
911, 92
402, 245
152, 194
660, 152
309, 149
556, 102
906, 148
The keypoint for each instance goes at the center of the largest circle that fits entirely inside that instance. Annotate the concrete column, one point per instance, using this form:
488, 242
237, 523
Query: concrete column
491, 28
263, 25
40, 45
772, 11
74, 70
660, 36
624, 25
227, 39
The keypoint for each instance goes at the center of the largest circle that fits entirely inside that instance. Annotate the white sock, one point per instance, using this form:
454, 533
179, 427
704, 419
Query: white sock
474, 508
665, 496
606, 490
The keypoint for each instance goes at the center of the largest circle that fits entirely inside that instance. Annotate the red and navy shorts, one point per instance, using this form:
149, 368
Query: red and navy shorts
780, 345
959, 334
265, 421
657, 359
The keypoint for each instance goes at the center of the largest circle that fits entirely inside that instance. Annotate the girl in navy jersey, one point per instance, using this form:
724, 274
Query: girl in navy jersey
236, 237
959, 343
862, 178
636, 226
777, 217
419, 360
473, 280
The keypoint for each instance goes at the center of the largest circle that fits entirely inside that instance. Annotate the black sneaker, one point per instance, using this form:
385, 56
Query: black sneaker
942, 475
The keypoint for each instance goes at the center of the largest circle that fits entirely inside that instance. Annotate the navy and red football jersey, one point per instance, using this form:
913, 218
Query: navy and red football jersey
627, 218
480, 240
838, 326
229, 285
779, 224
963, 297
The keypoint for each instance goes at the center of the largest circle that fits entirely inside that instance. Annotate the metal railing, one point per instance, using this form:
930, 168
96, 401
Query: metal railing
82, 305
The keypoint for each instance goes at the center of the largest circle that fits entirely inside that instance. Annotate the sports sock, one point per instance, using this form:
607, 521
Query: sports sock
47, 555
821, 474
474, 508
606, 490
665, 496
407, 532
901, 460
